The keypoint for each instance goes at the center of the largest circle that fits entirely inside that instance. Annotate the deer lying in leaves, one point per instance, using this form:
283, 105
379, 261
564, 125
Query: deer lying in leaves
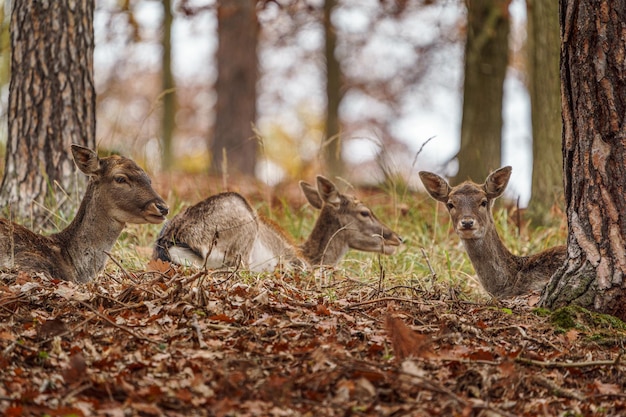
500, 272
118, 192
224, 230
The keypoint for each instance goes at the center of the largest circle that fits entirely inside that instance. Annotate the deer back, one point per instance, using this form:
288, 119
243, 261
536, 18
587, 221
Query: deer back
224, 230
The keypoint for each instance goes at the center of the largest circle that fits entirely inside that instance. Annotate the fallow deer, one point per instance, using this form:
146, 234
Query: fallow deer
500, 272
118, 192
224, 230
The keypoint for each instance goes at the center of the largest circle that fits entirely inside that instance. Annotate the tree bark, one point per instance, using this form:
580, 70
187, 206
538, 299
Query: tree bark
332, 142
51, 102
234, 146
593, 84
545, 97
168, 117
486, 61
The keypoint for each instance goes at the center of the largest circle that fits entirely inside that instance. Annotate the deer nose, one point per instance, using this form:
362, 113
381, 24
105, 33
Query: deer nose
467, 223
163, 208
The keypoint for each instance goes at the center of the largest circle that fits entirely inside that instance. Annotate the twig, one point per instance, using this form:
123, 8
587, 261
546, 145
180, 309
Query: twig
114, 324
385, 299
548, 364
196, 327
77, 391
556, 389
68, 331
485, 406
126, 273
525, 336
432, 271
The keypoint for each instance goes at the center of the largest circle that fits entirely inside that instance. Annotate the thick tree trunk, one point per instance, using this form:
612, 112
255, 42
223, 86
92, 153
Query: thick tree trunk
51, 102
545, 96
234, 146
486, 60
332, 142
168, 118
593, 83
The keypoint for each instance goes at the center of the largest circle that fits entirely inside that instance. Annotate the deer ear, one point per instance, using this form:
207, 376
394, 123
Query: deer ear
496, 182
327, 191
437, 187
85, 159
311, 194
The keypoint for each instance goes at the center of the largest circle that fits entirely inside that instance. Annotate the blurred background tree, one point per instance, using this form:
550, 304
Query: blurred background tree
334, 94
380, 76
486, 63
168, 115
233, 144
545, 94
51, 106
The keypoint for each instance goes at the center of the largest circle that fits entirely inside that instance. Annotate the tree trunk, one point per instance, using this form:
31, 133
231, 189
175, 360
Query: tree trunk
234, 146
51, 103
545, 95
332, 140
168, 116
486, 60
593, 84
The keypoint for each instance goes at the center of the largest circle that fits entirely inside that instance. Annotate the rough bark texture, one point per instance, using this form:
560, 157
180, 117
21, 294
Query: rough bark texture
593, 83
486, 59
51, 102
168, 117
333, 139
234, 146
545, 95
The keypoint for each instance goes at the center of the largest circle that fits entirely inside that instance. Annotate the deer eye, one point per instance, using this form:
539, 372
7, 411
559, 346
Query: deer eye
120, 179
450, 206
365, 213
483, 203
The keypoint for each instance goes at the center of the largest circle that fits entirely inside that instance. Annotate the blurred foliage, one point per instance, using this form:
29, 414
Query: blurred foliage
291, 103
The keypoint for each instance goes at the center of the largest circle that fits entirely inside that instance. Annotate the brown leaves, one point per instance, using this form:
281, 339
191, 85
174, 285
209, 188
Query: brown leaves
151, 346
407, 343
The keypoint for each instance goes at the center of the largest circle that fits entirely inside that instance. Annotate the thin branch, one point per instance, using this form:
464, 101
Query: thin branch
114, 324
557, 389
126, 273
548, 364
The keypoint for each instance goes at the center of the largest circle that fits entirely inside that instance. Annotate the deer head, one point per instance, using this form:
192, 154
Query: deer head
346, 219
122, 189
469, 204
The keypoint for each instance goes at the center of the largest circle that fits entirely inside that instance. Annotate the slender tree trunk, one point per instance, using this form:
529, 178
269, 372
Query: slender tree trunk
486, 61
234, 146
51, 102
332, 142
168, 123
545, 95
593, 83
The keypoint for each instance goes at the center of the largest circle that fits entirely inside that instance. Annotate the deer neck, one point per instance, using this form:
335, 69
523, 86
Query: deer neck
91, 233
494, 264
325, 245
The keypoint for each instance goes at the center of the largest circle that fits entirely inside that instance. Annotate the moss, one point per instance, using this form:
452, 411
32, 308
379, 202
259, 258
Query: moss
606, 321
541, 312
577, 317
563, 318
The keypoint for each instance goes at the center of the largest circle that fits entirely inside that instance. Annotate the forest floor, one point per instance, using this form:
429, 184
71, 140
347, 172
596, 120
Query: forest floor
171, 342
397, 337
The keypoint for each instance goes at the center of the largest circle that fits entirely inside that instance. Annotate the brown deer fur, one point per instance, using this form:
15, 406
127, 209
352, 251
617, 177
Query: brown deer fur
224, 230
118, 192
500, 272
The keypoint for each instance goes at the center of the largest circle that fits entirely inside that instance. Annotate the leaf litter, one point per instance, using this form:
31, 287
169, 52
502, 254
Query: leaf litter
171, 341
